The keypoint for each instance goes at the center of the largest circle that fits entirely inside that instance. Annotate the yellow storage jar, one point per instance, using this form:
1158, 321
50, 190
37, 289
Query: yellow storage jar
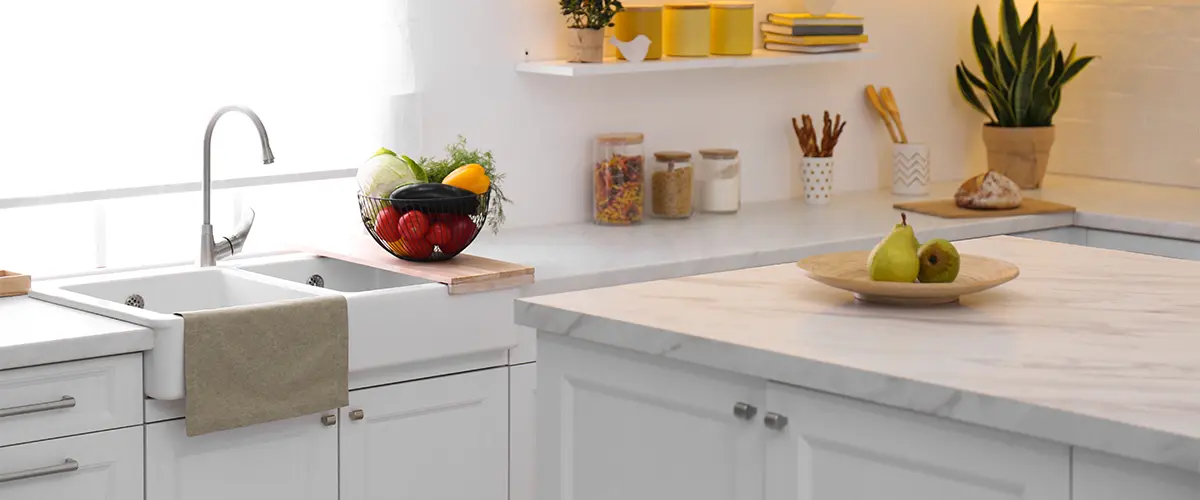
640, 20
686, 29
732, 28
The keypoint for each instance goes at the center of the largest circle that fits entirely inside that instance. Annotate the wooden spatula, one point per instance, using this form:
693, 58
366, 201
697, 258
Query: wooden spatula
889, 103
873, 98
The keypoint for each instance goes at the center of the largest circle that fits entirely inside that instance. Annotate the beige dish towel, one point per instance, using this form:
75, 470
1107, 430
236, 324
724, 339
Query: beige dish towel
252, 364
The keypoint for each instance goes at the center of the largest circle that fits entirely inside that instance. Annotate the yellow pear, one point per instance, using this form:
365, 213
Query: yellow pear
895, 258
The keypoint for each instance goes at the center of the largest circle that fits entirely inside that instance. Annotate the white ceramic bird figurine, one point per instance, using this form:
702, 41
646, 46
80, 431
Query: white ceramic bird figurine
633, 50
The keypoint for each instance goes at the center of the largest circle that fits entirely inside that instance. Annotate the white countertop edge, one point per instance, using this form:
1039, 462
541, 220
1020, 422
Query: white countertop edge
1068, 428
73, 348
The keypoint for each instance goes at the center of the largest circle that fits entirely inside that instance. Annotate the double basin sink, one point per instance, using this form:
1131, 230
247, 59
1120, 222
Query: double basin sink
394, 319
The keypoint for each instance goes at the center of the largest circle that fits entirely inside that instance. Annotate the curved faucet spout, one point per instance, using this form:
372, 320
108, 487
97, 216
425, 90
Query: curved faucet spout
209, 251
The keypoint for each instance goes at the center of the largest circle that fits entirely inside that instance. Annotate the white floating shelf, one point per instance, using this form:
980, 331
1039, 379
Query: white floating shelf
760, 58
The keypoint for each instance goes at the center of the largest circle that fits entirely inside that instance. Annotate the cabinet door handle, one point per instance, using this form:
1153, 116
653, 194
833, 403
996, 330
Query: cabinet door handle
356, 415
775, 421
62, 404
744, 411
329, 420
67, 466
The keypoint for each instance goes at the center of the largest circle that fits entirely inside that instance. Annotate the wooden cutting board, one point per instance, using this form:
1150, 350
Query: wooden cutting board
462, 274
947, 209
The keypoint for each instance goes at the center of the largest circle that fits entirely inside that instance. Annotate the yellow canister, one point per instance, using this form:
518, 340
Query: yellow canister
637, 20
686, 29
732, 28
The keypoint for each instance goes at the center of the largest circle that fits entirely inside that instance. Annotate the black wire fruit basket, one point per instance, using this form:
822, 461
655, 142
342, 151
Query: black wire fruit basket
424, 230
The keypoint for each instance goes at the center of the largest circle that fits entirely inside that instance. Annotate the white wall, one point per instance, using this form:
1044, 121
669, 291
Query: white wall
1132, 114
540, 127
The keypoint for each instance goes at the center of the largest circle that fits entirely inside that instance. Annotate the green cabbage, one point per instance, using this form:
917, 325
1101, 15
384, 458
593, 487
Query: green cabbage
383, 173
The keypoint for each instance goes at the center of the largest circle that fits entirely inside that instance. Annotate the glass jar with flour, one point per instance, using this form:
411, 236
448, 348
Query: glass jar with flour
720, 181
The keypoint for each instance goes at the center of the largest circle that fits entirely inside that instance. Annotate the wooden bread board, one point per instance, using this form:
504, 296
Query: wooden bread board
461, 275
947, 209
13, 284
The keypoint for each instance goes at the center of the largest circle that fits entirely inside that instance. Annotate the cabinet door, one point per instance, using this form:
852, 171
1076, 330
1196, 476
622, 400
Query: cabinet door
441, 438
1163, 247
1099, 476
100, 466
835, 448
615, 424
294, 459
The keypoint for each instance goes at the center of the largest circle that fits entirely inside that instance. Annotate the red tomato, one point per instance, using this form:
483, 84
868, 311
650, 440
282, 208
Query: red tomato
462, 229
413, 225
385, 225
417, 249
439, 234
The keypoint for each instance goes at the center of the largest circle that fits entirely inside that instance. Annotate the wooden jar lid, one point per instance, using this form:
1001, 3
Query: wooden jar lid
733, 5
643, 8
672, 155
686, 6
719, 154
621, 138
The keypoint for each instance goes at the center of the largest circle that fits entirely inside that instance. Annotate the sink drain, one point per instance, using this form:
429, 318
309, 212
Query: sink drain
316, 280
135, 300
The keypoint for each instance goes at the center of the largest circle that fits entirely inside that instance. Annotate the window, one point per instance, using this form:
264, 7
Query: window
101, 97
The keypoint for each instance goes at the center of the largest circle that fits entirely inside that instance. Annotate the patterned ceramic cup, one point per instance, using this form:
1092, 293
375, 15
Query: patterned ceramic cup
818, 180
910, 169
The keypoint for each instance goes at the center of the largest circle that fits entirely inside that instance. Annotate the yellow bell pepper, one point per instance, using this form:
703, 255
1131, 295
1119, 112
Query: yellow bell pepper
470, 177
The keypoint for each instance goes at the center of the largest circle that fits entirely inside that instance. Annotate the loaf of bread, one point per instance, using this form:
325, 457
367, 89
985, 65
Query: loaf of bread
988, 191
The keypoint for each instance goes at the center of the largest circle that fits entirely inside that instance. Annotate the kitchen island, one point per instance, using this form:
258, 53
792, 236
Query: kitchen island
1079, 380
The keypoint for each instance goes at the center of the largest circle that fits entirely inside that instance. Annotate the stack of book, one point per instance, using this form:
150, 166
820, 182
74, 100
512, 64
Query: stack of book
813, 34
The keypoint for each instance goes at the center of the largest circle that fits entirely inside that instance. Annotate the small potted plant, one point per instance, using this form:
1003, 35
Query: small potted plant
586, 20
1022, 81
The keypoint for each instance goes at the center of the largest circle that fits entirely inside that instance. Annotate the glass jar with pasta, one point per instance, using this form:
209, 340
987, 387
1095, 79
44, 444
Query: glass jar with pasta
617, 179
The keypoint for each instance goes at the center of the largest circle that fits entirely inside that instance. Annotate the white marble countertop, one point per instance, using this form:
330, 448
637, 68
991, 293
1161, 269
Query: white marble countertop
33, 332
1088, 347
580, 256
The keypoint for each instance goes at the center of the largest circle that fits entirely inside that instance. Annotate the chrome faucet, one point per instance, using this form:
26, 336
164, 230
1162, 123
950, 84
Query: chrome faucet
210, 250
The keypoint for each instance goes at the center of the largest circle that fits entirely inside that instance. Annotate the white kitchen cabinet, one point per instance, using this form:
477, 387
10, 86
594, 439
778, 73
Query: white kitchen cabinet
1099, 476
296, 459
440, 438
614, 424
98, 466
836, 448
522, 429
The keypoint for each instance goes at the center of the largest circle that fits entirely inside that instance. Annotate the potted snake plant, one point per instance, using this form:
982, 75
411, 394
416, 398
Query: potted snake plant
1022, 81
586, 21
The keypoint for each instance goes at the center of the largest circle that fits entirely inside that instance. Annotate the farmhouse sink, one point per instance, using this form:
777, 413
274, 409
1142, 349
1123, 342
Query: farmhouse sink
150, 299
397, 320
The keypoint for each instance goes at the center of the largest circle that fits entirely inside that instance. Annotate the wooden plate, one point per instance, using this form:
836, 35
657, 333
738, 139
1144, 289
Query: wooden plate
848, 271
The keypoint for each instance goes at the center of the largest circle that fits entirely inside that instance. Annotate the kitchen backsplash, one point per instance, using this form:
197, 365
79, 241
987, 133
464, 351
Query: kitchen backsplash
1131, 115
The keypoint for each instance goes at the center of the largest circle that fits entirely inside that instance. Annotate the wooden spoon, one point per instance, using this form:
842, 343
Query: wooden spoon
873, 98
889, 102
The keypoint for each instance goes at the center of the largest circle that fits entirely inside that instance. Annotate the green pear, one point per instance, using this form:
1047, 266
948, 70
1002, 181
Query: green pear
939, 262
895, 258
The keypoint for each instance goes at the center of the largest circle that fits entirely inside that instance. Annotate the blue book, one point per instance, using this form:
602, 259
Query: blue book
811, 30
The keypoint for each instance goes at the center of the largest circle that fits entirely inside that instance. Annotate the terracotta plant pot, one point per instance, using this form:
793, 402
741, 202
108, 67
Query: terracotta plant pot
587, 46
1019, 153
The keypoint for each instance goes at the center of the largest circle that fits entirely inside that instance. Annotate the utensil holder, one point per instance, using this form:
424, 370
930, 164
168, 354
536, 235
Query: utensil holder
13, 283
818, 180
910, 169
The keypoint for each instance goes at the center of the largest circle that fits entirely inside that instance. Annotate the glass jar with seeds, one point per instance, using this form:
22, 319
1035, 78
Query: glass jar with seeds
671, 185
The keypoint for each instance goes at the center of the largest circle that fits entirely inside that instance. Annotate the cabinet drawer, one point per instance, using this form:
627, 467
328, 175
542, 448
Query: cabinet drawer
99, 466
63, 399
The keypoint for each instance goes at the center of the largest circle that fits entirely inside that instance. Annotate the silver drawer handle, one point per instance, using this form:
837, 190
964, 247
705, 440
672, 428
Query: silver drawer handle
744, 411
775, 421
67, 466
64, 403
